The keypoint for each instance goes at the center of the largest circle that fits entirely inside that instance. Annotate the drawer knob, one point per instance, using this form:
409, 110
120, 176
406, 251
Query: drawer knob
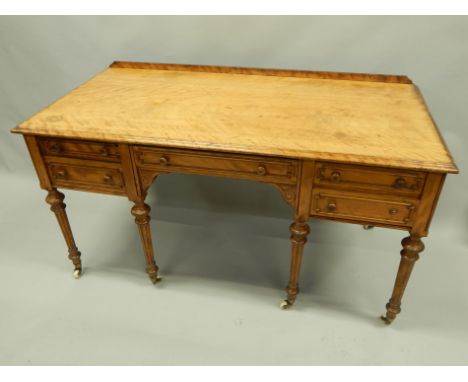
108, 179
399, 183
331, 207
393, 211
56, 148
163, 161
60, 174
104, 151
335, 176
261, 170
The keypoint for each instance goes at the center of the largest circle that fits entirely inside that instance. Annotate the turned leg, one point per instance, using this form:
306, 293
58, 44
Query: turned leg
142, 218
412, 246
299, 232
55, 199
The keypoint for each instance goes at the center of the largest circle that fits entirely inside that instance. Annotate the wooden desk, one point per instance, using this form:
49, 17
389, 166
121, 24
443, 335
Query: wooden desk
356, 148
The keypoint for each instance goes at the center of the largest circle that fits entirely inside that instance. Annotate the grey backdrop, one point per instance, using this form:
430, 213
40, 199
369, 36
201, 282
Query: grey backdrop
222, 244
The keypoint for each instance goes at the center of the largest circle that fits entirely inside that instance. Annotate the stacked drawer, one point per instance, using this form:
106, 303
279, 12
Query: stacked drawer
366, 194
83, 165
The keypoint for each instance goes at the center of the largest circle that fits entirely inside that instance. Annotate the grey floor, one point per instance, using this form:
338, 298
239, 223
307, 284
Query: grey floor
224, 271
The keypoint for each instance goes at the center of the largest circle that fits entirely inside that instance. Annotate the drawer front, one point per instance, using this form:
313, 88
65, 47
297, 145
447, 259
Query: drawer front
259, 168
363, 208
88, 178
80, 149
369, 178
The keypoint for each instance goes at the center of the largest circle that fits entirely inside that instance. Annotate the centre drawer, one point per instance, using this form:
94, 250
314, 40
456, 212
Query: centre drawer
267, 169
87, 177
363, 208
367, 178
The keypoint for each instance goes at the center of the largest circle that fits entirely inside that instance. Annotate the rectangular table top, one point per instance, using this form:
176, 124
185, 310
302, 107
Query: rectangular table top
365, 119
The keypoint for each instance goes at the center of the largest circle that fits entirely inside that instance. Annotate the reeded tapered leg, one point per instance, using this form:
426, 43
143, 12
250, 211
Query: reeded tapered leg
55, 199
142, 218
299, 231
412, 246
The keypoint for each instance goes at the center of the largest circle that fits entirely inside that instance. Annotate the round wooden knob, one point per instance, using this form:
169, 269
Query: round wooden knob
261, 170
61, 174
335, 176
163, 161
399, 183
108, 179
331, 207
393, 211
104, 151
55, 148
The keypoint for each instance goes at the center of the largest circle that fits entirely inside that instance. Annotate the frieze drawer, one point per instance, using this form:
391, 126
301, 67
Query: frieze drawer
241, 166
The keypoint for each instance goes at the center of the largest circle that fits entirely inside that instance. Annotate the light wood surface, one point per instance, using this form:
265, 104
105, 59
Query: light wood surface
357, 121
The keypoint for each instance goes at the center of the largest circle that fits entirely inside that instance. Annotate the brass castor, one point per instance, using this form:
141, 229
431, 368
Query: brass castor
77, 273
285, 304
385, 319
367, 227
155, 279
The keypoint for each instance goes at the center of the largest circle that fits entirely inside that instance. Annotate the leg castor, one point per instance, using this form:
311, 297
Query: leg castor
285, 304
155, 279
367, 227
386, 320
77, 273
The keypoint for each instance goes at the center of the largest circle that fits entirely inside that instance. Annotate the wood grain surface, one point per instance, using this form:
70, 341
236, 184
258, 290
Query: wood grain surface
355, 121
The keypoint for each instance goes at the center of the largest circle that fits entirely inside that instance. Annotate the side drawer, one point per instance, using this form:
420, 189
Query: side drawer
87, 177
79, 149
372, 208
205, 163
341, 176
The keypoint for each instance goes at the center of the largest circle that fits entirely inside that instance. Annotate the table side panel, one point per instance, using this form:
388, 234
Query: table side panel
429, 199
38, 161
